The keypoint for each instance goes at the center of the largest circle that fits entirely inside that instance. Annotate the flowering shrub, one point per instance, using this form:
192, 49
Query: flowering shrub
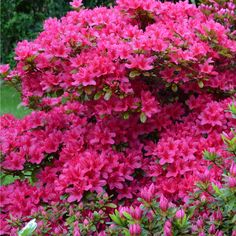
126, 100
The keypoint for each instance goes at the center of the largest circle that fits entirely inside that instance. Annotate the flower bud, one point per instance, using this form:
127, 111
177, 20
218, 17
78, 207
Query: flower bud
232, 169
163, 203
76, 231
232, 182
102, 233
204, 177
180, 214
147, 194
203, 198
234, 233
150, 216
212, 229
217, 215
219, 233
135, 230
200, 223
168, 228
201, 234
86, 222
136, 213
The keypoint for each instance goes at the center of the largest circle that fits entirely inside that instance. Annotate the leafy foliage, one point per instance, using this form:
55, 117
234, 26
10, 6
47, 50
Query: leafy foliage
22, 19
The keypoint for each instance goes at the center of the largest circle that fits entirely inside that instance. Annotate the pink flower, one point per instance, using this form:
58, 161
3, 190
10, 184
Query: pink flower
4, 68
149, 104
141, 62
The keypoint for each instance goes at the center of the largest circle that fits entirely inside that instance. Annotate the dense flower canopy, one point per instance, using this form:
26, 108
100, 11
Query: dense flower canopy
124, 98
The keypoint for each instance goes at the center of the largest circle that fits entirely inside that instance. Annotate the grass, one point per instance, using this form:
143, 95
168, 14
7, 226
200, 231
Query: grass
10, 102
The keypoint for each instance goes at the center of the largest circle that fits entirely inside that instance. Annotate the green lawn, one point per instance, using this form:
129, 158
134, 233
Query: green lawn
10, 102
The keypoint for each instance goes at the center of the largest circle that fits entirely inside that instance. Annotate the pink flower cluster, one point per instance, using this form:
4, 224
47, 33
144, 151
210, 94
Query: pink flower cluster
124, 97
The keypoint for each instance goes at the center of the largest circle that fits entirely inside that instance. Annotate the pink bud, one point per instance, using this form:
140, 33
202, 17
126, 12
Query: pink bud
86, 222
77, 214
76, 3
201, 234
212, 229
163, 203
180, 214
150, 215
136, 213
232, 182
217, 215
147, 194
204, 177
102, 233
203, 198
219, 233
205, 215
234, 233
112, 226
232, 169
168, 228
135, 230
200, 223
101, 212
76, 230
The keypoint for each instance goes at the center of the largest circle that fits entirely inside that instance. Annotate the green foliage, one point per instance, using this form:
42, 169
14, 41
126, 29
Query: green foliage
22, 19
10, 102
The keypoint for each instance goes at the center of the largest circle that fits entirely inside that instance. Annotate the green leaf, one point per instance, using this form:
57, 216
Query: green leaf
70, 219
174, 88
211, 156
111, 205
115, 219
107, 95
28, 229
7, 179
134, 74
216, 189
200, 84
126, 115
191, 211
127, 215
143, 117
126, 232
97, 95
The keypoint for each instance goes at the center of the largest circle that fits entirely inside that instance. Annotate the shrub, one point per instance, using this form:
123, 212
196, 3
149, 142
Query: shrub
126, 100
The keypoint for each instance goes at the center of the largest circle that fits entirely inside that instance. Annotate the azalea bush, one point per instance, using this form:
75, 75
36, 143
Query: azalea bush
126, 101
